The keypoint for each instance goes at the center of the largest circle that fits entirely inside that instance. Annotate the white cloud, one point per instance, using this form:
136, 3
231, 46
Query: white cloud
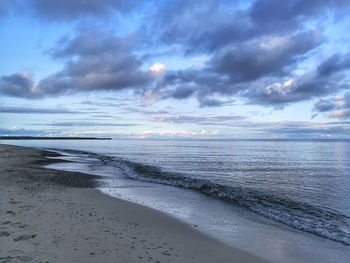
157, 68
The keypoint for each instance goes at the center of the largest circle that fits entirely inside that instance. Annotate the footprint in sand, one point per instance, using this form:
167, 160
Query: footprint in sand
24, 237
16, 256
97, 252
4, 234
13, 202
18, 224
10, 212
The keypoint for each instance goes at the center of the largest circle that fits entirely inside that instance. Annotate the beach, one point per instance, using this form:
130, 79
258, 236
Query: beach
56, 216
175, 131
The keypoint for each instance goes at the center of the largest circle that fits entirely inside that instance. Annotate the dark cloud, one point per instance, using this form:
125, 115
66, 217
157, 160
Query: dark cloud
18, 85
105, 62
259, 76
93, 43
310, 85
33, 110
209, 102
334, 63
201, 84
253, 50
206, 26
212, 102
96, 61
303, 88
281, 15
338, 107
323, 105
104, 72
182, 92
66, 10
263, 57
240, 69
200, 25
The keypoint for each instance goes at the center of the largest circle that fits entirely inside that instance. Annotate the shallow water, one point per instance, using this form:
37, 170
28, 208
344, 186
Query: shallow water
281, 189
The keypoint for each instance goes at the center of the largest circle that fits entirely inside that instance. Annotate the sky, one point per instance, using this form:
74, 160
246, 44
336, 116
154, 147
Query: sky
163, 69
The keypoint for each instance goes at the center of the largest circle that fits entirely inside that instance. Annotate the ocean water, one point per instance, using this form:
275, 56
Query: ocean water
297, 192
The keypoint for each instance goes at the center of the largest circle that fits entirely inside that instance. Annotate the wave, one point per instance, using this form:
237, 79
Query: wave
322, 221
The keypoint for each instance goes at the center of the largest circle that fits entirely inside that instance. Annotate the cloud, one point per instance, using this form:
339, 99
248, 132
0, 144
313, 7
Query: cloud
96, 61
202, 84
209, 102
267, 56
262, 77
201, 120
68, 10
93, 43
252, 51
240, 70
323, 105
322, 82
198, 25
18, 84
157, 68
20, 132
305, 129
343, 114
279, 15
87, 124
103, 104
177, 134
339, 106
291, 130
143, 135
32, 110
305, 87
105, 62
207, 26
154, 112
333, 64
264, 129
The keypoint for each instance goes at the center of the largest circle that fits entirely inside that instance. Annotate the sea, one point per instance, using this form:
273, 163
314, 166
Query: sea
285, 200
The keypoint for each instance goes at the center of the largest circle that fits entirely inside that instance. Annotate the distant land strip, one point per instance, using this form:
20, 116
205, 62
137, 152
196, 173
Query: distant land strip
49, 138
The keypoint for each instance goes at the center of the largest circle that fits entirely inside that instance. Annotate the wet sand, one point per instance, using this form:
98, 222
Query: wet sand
56, 216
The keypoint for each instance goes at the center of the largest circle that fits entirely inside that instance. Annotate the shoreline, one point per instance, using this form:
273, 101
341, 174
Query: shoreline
58, 216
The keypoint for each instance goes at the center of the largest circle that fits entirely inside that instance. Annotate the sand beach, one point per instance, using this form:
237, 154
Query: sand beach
56, 216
